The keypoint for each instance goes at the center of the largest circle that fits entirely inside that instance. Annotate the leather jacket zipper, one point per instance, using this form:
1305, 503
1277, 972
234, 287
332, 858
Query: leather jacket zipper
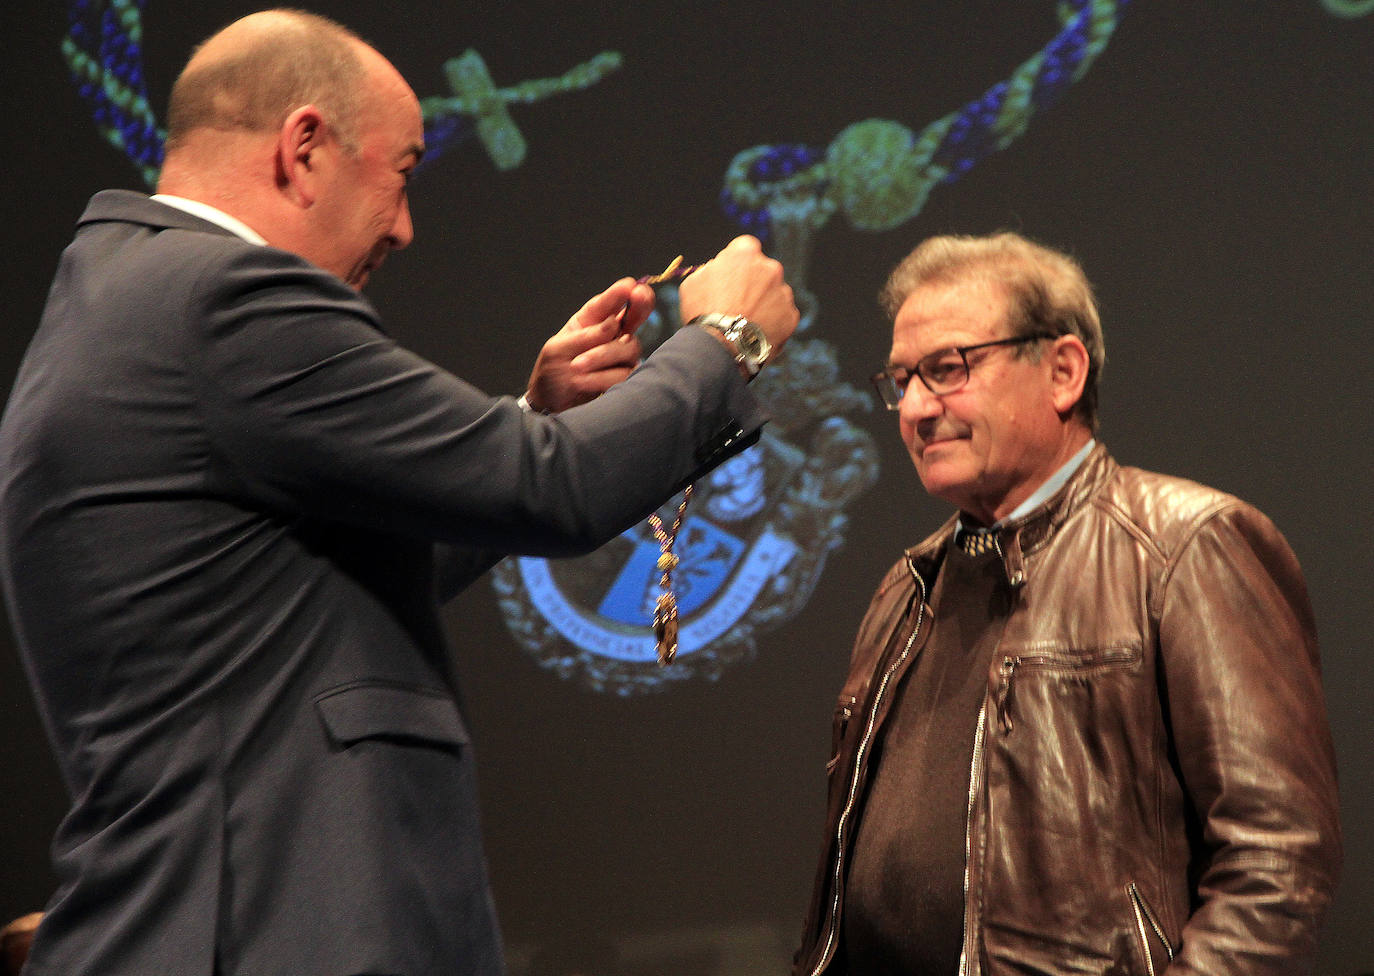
975, 778
1143, 915
975, 782
1006, 671
832, 933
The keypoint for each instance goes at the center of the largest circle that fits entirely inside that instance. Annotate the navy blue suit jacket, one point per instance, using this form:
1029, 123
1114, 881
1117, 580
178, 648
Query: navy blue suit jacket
222, 492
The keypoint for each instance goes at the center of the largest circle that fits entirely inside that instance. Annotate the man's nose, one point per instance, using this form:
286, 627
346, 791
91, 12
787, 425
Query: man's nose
403, 231
918, 403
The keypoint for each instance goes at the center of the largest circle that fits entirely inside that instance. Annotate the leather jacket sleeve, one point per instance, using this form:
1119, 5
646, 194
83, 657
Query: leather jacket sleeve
1242, 686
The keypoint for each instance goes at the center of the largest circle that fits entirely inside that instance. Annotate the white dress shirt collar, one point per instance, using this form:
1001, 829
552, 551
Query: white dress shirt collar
216, 216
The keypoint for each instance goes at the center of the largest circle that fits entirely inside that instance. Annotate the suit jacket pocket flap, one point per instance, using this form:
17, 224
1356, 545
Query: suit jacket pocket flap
356, 712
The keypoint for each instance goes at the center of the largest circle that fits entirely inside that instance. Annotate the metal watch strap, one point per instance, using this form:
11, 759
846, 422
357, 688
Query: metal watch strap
751, 347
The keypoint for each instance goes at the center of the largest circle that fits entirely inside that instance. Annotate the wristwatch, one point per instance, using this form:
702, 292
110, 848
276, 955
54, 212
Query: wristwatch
751, 346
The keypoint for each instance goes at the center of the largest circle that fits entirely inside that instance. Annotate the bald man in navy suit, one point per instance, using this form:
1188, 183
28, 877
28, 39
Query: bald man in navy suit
230, 507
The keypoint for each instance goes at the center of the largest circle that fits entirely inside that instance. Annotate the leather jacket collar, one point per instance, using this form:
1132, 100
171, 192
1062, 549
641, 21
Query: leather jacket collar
1022, 537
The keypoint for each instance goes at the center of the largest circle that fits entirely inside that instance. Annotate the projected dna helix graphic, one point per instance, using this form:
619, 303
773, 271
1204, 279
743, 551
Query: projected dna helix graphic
879, 173
103, 48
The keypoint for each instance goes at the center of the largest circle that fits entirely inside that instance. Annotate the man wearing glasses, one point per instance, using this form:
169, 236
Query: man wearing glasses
1083, 729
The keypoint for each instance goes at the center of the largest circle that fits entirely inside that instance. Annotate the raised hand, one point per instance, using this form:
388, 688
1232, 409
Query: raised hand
742, 280
594, 351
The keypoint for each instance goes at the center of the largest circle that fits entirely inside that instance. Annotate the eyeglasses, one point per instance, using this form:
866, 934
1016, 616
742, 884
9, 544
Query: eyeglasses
942, 372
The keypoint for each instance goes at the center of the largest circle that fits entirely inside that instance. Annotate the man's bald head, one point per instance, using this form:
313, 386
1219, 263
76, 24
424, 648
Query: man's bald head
255, 72
289, 123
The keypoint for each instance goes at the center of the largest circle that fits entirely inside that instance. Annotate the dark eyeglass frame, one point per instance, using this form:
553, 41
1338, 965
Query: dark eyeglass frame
891, 381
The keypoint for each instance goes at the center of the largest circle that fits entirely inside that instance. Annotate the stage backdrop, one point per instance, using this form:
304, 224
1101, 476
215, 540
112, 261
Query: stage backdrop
1209, 164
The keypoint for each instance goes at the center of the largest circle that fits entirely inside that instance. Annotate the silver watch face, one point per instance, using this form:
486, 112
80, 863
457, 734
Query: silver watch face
751, 346
752, 343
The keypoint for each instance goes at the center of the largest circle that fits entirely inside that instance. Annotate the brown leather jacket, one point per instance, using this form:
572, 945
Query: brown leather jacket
1153, 783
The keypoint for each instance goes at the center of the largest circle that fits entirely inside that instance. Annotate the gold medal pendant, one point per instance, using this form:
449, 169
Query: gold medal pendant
665, 611
665, 628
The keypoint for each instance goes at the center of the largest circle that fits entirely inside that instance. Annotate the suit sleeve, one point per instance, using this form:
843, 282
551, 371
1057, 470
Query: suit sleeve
458, 567
1254, 748
314, 410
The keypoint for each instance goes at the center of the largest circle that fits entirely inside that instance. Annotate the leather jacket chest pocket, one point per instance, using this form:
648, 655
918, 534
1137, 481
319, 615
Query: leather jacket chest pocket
1061, 677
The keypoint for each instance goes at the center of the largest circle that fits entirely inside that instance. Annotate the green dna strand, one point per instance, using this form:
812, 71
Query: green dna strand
103, 49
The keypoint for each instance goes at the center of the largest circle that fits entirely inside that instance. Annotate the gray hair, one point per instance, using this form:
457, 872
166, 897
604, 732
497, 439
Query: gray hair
1046, 291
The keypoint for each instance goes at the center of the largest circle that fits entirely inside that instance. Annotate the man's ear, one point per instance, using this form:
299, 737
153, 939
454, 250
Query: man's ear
1068, 372
298, 155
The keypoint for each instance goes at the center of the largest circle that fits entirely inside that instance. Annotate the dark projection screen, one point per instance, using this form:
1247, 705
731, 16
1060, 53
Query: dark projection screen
1208, 163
